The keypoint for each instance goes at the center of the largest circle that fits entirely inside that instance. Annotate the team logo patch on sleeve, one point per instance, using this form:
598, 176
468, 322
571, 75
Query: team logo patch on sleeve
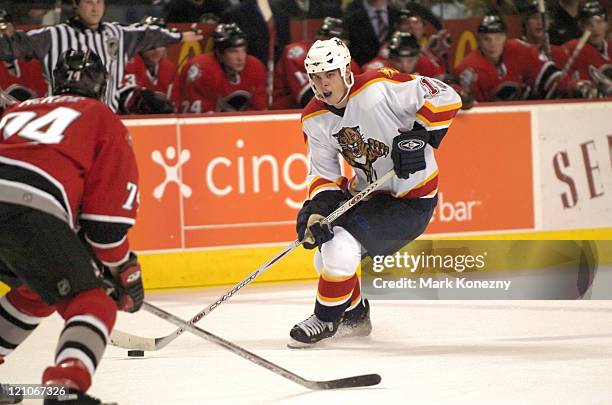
194, 72
295, 52
389, 72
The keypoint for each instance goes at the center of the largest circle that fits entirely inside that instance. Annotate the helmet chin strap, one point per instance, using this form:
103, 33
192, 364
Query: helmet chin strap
348, 88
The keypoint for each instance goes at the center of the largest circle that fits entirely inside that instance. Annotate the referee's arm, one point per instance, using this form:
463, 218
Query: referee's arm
34, 44
141, 37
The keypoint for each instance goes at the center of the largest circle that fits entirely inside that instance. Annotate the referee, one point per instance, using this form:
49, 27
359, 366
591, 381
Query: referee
113, 42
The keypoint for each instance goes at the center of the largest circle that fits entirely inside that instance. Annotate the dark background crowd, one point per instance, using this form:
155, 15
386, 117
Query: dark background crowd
255, 64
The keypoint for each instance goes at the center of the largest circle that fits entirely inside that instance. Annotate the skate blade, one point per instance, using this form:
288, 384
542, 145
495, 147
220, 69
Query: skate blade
296, 344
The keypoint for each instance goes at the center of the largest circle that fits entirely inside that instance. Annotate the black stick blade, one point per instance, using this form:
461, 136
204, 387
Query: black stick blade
365, 380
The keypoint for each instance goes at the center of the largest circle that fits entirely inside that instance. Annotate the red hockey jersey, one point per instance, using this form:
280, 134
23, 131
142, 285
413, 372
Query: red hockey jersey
137, 74
521, 72
290, 78
424, 67
557, 53
588, 56
77, 154
204, 86
26, 82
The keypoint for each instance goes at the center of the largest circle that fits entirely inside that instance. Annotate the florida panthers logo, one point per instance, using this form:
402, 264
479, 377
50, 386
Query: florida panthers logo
359, 153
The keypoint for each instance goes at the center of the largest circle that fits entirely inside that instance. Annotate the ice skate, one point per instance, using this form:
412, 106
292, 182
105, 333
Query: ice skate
356, 322
311, 331
74, 397
5, 398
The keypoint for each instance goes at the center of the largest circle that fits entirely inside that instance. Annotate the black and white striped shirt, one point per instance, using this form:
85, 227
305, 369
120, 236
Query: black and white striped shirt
113, 42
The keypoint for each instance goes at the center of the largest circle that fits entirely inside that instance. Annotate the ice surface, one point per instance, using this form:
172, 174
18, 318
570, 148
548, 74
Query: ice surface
427, 352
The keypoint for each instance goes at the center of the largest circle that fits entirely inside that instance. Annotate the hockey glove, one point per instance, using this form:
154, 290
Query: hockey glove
146, 101
127, 284
311, 230
408, 152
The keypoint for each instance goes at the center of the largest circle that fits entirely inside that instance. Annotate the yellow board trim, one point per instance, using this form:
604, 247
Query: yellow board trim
206, 268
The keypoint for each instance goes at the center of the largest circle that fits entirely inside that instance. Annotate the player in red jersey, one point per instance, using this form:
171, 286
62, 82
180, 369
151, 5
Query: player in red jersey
227, 80
534, 35
291, 88
21, 79
406, 56
66, 163
593, 62
412, 20
505, 70
148, 80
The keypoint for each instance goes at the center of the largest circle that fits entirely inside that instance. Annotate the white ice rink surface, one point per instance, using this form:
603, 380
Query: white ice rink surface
427, 352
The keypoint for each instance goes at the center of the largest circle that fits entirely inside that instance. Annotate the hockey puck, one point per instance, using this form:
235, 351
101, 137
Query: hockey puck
135, 353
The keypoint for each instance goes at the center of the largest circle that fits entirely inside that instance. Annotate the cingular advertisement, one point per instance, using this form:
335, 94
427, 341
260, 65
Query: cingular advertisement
234, 181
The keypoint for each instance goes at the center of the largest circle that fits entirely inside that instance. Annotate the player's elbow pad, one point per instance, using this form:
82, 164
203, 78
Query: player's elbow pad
104, 232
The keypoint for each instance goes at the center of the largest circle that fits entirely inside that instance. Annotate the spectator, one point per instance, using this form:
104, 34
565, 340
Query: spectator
114, 43
593, 62
564, 21
309, 8
406, 56
19, 79
227, 80
534, 34
291, 85
502, 69
186, 11
148, 79
250, 16
369, 23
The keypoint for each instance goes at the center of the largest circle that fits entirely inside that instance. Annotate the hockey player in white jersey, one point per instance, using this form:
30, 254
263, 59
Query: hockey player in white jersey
379, 121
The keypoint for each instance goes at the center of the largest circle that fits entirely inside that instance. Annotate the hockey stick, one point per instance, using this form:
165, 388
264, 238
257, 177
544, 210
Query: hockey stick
6, 99
349, 382
543, 18
581, 43
133, 342
57, 12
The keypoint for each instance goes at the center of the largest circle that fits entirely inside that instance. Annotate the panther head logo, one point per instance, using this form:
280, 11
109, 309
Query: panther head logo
360, 153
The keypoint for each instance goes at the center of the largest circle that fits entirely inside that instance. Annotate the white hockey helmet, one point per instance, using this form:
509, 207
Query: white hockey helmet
327, 55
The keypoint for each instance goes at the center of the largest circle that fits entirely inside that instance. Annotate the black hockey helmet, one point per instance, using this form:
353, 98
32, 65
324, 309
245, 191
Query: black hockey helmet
491, 23
5, 17
528, 9
406, 14
592, 9
79, 72
403, 44
157, 21
228, 36
332, 27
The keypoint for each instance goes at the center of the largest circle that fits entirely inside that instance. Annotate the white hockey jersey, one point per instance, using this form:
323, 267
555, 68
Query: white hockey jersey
380, 102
